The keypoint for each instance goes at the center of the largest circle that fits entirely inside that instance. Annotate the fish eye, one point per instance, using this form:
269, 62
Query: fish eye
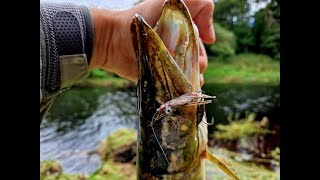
168, 109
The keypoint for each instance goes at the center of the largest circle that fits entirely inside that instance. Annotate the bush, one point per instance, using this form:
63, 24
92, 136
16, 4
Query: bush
97, 74
225, 44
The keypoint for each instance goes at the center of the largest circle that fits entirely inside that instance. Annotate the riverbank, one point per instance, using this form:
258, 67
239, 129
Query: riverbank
118, 165
239, 69
107, 104
243, 69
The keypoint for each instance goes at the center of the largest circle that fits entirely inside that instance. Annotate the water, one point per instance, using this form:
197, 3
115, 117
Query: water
79, 120
264, 100
81, 117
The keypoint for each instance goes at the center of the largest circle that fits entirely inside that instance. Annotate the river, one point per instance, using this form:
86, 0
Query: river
81, 117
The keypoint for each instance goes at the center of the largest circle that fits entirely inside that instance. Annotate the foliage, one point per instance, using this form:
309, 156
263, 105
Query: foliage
119, 139
240, 129
270, 43
243, 68
52, 170
97, 73
275, 155
114, 171
231, 12
225, 44
259, 33
101, 78
101, 74
50, 167
245, 38
267, 30
244, 170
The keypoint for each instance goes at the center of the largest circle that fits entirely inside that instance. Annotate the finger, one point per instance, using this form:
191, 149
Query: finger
203, 58
202, 15
206, 30
201, 80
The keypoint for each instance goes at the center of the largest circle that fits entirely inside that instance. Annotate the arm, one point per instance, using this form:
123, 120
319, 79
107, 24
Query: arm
113, 50
106, 35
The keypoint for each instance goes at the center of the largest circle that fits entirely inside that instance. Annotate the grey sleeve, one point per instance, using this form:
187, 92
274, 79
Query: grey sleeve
66, 42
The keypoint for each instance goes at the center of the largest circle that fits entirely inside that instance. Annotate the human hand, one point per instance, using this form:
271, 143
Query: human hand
113, 50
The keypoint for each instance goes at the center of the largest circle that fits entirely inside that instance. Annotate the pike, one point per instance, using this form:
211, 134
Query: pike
172, 140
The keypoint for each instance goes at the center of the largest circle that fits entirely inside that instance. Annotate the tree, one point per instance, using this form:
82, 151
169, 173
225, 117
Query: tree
225, 44
231, 12
259, 33
267, 30
234, 15
245, 37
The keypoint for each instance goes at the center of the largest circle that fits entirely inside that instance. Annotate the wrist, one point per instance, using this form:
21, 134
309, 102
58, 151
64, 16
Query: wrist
104, 22
112, 45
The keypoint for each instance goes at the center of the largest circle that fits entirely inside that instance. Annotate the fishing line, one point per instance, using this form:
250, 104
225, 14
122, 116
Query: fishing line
160, 145
209, 124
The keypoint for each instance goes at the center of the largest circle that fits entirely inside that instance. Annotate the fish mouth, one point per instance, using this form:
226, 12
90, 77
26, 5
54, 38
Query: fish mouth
167, 55
158, 71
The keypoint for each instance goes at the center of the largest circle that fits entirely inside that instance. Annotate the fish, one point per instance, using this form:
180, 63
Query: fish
172, 129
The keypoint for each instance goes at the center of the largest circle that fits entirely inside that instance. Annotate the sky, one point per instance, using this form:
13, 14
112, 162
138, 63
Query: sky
257, 6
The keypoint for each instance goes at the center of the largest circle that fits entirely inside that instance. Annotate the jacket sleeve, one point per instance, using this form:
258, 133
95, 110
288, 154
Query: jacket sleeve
66, 41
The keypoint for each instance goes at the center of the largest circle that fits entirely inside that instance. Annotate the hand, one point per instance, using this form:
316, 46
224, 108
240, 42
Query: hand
113, 50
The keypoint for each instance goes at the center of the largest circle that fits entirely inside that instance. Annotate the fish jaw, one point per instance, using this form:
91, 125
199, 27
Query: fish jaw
174, 137
168, 68
181, 37
160, 78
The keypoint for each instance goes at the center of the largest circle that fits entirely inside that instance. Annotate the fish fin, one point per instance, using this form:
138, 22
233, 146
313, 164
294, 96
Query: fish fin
221, 163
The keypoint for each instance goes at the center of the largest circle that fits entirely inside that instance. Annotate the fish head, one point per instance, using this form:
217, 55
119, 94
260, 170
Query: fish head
167, 54
168, 61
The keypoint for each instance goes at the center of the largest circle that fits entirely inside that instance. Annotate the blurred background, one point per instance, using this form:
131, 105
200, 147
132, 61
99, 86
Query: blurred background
243, 73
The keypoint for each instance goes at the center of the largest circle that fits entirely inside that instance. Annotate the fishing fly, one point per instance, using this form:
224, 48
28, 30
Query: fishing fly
189, 99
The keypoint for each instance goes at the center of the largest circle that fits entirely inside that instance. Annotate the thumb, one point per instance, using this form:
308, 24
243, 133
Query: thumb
202, 15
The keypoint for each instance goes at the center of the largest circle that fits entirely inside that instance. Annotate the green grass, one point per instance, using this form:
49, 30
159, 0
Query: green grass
113, 171
244, 170
243, 68
52, 170
101, 78
242, 128
115, 141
